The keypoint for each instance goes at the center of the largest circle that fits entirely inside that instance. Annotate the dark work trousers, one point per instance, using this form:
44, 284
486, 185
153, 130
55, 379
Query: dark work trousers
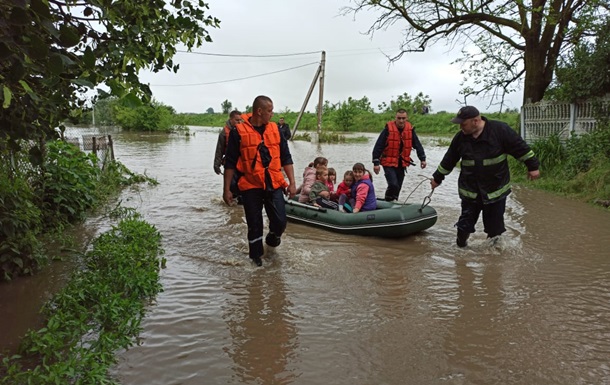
273, 201
394, 176
493, 216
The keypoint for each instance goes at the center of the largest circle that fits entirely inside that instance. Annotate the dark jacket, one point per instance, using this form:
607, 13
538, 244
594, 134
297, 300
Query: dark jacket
484, 168
383, 139
285, 130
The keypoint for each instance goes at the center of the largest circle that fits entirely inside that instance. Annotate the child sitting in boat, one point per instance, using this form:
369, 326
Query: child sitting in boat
309, 177
332, 179
363, 191
345, 187
319, 195
344, 191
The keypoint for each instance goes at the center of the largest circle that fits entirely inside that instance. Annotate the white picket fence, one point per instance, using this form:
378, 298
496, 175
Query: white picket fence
543, 119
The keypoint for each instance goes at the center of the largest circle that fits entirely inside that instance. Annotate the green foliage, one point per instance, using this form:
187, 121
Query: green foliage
66, 186
331, 137
52, 53
148, 117
21, 222
408, 103
97, 313
578, 168
226, 106
306, 137
69, 183
585, 74
438, 123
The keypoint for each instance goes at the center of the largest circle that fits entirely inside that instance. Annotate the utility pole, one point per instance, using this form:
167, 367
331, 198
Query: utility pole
321, 92
319, 76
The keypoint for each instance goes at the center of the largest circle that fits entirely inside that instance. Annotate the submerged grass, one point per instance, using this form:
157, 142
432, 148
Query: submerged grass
97, 313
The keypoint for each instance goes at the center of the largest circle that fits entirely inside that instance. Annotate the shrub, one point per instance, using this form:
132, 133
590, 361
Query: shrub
69, 183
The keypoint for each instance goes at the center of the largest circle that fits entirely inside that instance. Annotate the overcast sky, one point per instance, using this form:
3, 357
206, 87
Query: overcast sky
355, 63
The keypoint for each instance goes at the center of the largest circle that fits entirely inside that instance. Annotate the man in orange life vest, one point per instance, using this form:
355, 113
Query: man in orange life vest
257, 152
393, 151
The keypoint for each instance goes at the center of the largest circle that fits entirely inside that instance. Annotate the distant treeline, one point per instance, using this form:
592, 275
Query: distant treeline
363, 121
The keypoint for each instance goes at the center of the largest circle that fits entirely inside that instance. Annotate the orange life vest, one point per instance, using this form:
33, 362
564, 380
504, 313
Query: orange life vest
227, 130
390, 154
254, 177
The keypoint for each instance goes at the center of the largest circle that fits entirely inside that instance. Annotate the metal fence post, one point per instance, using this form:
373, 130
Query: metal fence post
522, 120
573, 110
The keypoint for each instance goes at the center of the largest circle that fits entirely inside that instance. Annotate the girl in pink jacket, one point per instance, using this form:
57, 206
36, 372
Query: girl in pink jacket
309, 177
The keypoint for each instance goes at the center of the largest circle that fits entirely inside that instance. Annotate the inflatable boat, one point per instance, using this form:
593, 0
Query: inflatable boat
389, 220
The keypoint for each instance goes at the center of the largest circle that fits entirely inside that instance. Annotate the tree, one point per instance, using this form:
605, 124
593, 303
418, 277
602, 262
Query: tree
51, 52
346, 111
210, 110
585, 74
513, 40
344, 115
226, 106
406, 102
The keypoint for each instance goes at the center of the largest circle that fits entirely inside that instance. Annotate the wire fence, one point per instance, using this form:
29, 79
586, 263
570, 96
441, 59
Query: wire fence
100, 144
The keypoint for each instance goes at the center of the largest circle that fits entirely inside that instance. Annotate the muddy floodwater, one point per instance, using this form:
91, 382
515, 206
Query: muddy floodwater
533, 308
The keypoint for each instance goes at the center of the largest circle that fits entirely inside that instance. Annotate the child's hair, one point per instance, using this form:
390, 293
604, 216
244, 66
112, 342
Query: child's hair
349, 173
331, 171
360, 167
320, 161
320, 170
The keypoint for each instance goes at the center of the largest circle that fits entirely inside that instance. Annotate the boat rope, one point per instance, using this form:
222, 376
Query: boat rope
427, 198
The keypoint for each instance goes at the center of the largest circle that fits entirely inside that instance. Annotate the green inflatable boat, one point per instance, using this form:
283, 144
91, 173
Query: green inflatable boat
390, 220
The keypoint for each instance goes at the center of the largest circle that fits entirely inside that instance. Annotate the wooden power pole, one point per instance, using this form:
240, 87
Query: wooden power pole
319, 76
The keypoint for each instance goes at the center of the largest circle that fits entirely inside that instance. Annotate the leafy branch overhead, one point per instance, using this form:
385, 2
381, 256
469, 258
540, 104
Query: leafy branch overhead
51, 52
505, 42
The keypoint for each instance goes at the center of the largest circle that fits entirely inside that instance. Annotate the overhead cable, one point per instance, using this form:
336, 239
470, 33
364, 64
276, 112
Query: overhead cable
233, 80
241, 55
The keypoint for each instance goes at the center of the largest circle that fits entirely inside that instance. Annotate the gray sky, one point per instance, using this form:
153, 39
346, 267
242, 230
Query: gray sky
355, 63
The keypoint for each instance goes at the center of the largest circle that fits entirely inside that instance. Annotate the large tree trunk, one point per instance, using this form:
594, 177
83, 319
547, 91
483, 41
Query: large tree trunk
536, 78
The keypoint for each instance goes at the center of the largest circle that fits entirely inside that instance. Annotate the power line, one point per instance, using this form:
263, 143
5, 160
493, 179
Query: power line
233, 80
241, 55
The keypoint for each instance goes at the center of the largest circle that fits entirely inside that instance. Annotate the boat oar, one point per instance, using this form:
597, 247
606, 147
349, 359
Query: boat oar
304, 205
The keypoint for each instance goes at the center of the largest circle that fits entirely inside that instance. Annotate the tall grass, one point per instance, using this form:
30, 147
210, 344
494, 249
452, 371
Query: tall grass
578, 168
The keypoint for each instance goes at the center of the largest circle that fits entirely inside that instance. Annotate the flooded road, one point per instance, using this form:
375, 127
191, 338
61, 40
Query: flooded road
340, 309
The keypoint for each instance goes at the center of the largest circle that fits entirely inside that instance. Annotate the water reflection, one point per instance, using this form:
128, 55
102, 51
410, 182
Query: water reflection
475, 339
264, 337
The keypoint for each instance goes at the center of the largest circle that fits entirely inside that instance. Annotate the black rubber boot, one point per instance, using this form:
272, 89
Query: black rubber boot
462, 238
257, 261
273, 240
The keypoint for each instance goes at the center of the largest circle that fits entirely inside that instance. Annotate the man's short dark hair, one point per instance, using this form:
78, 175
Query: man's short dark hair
259, 101
234, 113
401, 110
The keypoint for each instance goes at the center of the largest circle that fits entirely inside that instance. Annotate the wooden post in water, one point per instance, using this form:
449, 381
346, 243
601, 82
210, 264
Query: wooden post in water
111, 147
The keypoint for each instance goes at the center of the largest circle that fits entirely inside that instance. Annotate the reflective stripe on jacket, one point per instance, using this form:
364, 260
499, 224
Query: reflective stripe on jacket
390, 154
250, 163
